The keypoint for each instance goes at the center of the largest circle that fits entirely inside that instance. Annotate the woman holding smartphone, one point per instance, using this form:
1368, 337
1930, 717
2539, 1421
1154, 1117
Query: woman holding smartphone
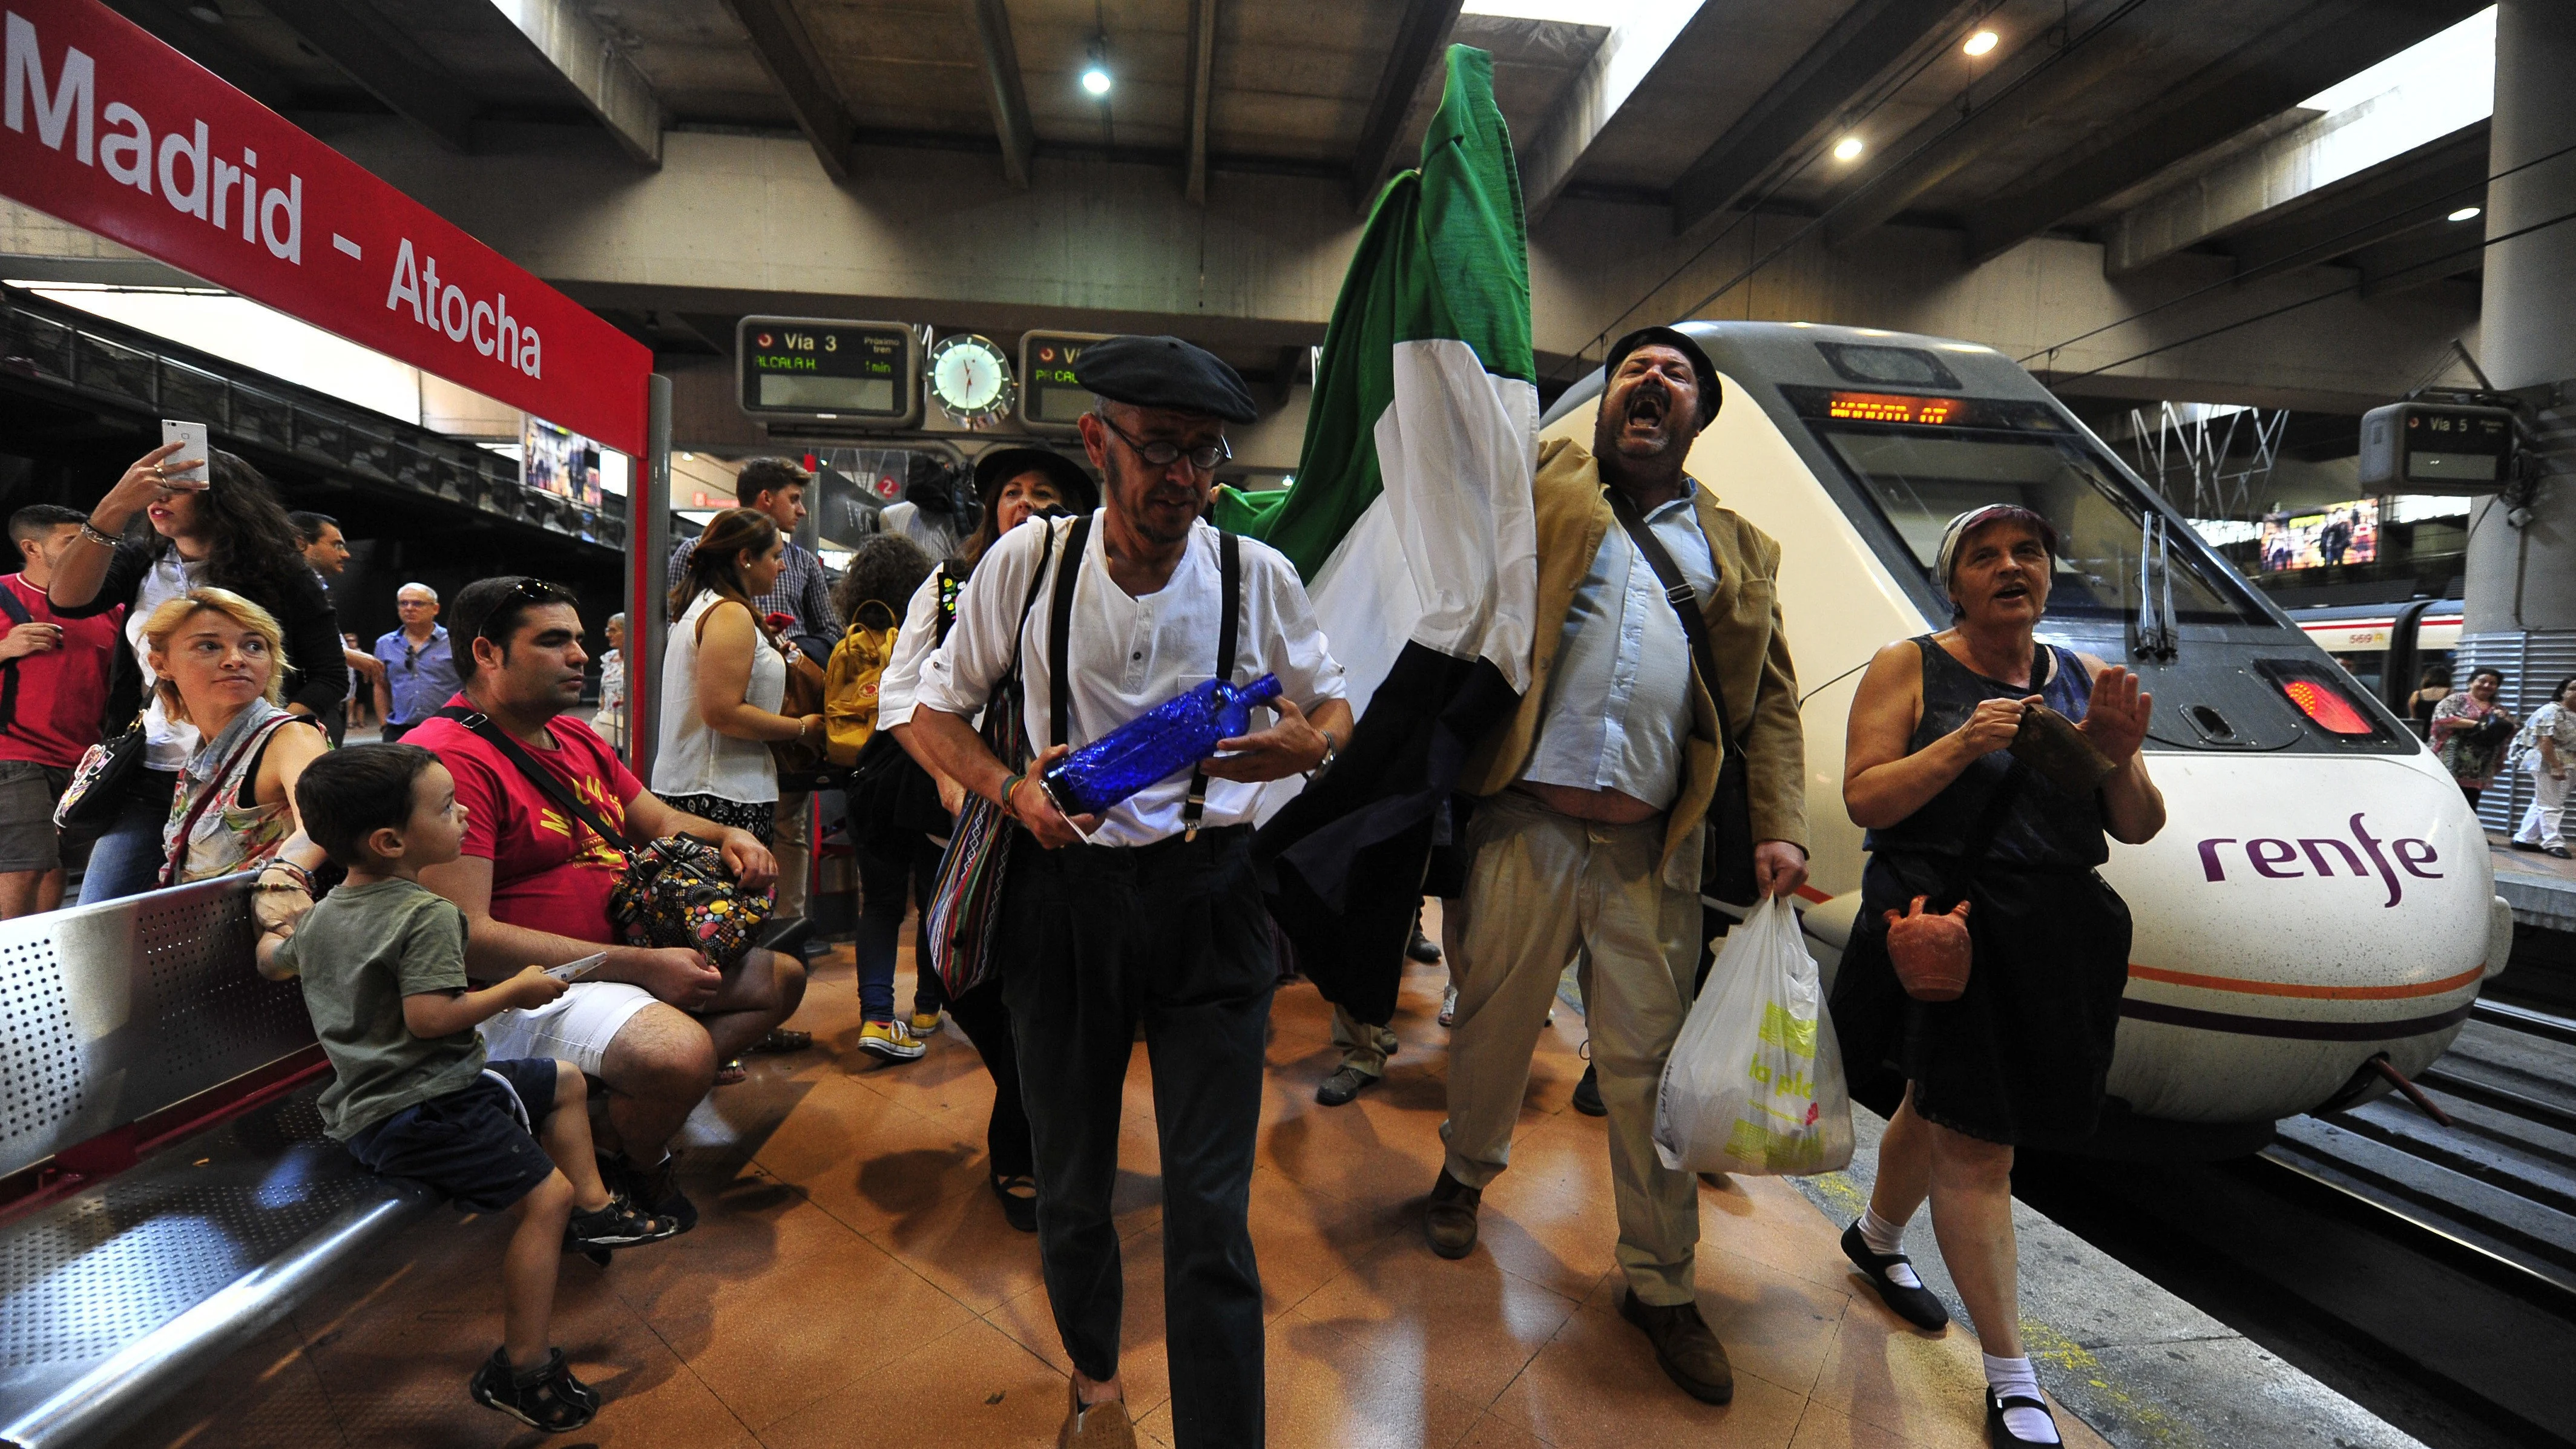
158, 534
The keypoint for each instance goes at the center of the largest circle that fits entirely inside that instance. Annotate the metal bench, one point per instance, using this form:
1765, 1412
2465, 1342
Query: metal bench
126, 1029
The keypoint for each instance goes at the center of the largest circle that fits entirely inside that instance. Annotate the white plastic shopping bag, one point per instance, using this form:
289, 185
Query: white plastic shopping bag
1755, 1081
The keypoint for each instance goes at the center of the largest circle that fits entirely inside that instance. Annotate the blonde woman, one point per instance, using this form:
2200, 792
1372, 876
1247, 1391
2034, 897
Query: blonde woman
219, 664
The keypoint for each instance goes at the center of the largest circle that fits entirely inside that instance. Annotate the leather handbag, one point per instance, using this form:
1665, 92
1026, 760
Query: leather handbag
100, 782
804, 696
676, 891
1727, 873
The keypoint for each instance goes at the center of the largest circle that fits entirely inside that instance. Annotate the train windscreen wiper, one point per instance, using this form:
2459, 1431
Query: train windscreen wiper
2156, 633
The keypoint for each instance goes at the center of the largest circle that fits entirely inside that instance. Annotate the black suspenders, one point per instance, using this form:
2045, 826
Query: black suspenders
1229, 553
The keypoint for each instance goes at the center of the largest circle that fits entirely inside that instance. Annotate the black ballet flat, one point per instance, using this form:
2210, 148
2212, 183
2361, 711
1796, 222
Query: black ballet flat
1917, 1306
2000, 1437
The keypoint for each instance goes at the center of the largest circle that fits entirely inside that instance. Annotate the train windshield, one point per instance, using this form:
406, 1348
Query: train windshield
1924, 461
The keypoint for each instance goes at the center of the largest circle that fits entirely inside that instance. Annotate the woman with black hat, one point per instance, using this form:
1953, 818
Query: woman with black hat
1014, 485
1935, 770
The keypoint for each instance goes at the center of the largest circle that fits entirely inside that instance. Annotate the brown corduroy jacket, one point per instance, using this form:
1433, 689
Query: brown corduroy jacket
1743, 617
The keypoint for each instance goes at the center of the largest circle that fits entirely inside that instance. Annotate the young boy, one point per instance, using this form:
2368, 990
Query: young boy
383, 962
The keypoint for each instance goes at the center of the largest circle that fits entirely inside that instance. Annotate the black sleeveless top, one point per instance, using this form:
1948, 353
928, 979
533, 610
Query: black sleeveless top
2046, 828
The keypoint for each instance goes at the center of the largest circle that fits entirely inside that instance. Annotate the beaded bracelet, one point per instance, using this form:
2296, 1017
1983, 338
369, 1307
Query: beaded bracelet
1004, 797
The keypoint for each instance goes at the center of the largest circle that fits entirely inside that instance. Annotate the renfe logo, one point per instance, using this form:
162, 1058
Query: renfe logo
2279, 859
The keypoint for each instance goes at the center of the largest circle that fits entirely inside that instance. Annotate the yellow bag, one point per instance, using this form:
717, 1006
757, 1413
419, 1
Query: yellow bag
850, 684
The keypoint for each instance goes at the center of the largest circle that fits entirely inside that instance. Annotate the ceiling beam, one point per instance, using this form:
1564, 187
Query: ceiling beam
1409, 61
2288, 63
385, 61
209, 46
610, 86
1202, 91
2420, 188
2432, 252
787, 52
1616, 67
2046, 72
1004, 88
1826, 81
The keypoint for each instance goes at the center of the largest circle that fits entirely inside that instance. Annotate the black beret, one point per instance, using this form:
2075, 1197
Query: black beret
1164, 372
1710, 394
1000, 465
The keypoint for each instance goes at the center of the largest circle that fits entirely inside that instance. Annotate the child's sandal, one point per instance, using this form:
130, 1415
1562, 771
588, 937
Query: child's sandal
621, 1224
548, 1399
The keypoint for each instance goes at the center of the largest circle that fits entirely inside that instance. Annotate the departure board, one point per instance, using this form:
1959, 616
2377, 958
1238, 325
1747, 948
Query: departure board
2435, 447
829, 370
1050, 400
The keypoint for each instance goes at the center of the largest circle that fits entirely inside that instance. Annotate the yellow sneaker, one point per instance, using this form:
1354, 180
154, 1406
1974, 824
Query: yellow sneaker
924, 1023
892, 1040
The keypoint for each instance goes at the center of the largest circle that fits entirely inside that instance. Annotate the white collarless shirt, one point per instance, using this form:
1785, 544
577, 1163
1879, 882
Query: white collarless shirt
1128, 655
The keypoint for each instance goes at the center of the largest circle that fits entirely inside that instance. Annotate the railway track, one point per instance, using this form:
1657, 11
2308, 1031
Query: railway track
2428, 1272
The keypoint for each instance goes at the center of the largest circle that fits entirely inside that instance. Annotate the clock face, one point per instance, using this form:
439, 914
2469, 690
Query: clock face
970, 379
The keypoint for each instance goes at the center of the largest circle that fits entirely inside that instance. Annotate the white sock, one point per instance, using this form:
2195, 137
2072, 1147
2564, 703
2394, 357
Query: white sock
2012, 1378
1883, 1238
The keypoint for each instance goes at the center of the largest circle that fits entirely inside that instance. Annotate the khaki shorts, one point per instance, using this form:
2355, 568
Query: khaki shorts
28, 792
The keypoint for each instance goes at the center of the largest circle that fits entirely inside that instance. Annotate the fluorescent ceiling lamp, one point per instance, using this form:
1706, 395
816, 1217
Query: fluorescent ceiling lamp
2460, 59
2466, 213
1565, 12
239, 330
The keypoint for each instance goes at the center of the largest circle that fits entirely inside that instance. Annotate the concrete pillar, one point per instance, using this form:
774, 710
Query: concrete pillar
2522, 581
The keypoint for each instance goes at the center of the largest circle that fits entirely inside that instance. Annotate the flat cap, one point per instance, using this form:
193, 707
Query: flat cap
1710, 393
1164, 372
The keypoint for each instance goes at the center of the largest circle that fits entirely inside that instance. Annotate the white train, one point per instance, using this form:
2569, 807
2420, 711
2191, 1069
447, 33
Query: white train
2322, 894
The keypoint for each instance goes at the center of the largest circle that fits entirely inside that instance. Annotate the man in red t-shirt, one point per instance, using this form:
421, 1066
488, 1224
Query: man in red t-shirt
534, 885
53, 687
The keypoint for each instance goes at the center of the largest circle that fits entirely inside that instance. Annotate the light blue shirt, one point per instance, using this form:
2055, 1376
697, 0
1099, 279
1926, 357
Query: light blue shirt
1618, 703
419, 681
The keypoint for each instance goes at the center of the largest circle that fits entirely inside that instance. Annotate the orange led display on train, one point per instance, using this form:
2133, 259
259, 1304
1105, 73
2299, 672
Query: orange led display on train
1879, 407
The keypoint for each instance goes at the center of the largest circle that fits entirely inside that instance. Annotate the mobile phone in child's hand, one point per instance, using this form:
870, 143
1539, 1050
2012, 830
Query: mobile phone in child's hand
572, 971
188, 465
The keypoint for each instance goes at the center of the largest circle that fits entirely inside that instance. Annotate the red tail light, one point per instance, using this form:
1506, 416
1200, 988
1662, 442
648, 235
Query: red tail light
2327, 705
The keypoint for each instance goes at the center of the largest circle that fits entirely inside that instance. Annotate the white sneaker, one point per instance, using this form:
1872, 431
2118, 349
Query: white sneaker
1449, 1007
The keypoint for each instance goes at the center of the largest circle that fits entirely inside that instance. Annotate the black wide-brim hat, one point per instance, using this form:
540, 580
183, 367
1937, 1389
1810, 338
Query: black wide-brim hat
1000, 465
1710, 393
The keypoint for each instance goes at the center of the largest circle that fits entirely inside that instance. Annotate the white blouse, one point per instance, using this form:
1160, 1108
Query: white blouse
694, 759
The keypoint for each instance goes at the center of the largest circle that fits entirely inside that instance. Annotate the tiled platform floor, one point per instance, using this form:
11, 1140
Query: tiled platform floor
853, 1284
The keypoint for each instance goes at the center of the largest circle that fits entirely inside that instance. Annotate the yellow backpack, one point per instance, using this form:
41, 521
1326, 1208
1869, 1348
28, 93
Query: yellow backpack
850, 684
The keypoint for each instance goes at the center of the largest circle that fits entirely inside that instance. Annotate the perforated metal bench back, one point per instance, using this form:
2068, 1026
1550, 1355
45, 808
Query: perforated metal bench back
114, 1011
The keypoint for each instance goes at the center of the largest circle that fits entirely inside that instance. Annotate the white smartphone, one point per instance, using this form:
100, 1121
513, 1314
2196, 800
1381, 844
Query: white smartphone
190, 461
573, 971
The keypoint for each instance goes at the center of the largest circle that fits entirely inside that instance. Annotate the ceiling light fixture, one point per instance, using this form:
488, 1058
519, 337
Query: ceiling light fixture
2468, 213
1981, 42
1848, 149
1095, 77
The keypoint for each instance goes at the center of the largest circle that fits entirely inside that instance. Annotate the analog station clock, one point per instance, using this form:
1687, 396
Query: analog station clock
970, 379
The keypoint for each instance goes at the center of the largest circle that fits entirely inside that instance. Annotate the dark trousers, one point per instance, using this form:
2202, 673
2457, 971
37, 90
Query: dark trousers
986, 1019
882, 891
1172, 935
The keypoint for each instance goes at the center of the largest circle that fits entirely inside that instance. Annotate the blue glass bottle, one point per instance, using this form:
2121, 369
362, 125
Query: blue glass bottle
1156, 745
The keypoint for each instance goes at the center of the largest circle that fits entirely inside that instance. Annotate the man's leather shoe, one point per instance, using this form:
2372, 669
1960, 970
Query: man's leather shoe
1689, 1352
1343, 1085
1449, 1219
1101, 1426
1587, 1094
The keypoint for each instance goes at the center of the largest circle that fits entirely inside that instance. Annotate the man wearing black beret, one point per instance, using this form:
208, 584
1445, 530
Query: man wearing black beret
1148, 913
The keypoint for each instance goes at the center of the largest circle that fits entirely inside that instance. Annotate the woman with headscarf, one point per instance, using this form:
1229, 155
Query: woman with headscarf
2025, 1051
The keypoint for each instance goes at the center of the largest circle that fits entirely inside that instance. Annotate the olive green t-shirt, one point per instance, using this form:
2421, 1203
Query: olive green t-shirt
360, 951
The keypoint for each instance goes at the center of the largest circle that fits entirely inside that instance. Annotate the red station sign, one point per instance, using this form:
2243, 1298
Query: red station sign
106, 127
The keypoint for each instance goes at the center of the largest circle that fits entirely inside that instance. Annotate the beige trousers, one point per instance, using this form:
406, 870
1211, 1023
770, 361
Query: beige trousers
1544, 887
789, 845
1365, 1048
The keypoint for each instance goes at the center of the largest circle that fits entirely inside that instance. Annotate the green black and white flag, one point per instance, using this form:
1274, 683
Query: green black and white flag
1411, 521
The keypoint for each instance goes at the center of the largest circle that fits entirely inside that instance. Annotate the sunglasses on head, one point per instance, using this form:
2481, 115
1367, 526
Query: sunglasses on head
526, 593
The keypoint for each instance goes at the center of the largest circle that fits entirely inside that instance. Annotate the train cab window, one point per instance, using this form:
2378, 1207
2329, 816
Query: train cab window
1922, 462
